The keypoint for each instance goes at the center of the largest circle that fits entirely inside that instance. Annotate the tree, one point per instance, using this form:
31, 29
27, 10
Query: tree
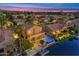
10, 48
42, 42
18, 30
71, 30
2, 18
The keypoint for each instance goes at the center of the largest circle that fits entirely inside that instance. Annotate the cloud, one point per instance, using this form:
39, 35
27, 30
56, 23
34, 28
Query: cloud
40, 5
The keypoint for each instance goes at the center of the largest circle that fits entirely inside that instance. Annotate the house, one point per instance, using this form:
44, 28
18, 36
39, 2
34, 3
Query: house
72, 23
54, 29
19, 21
33, 33
5, 39
1, 37
15, 16
22, 15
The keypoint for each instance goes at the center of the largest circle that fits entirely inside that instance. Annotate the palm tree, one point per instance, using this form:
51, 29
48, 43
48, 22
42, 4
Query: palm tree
18, 30
71, 30
2, 18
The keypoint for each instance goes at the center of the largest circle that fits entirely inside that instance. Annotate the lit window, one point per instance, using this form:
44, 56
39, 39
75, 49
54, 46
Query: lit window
53, 33
58, 32
29, 32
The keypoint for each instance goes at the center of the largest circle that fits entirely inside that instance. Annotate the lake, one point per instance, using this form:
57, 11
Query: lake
64, 48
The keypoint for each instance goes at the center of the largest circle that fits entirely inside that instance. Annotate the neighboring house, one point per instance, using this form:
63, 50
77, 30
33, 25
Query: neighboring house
54, 29
15, 16
72, 23
5, 38
33, 33
19, 21
2, 39
8, 36
22, 15
1, 36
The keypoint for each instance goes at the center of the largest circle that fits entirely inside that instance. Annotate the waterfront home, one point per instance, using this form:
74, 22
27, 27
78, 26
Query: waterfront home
33, 33
54, 29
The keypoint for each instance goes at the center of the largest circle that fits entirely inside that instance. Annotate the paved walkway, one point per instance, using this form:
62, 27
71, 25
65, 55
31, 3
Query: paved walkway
38, 49
34, 51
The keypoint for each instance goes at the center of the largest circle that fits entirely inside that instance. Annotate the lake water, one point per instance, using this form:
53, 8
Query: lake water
64, 48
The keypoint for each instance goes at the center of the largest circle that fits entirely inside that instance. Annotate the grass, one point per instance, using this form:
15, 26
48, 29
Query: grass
27, 44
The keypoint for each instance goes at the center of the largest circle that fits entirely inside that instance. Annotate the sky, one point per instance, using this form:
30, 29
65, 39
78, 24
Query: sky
40, 5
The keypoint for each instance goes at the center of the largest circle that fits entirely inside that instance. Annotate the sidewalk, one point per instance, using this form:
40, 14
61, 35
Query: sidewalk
33, 52
38, 49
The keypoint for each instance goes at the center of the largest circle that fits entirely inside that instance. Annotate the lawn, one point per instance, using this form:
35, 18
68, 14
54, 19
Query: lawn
27, 44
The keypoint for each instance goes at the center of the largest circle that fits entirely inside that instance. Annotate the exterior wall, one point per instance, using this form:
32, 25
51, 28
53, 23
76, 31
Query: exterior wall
37, 29
7, 39
71, 23
36, 37
29, 32
50, 32
33, 34
47, 30
34, 30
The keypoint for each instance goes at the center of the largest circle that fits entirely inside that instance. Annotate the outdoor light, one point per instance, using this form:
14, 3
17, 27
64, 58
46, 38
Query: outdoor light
58, 32
54, 21
29, 32
9, 23
15, 35
53, 33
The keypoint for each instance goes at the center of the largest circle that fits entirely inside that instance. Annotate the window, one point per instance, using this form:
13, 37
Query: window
33, 40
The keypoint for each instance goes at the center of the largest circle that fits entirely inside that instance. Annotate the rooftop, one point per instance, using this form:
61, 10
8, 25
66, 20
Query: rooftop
55, 26
28, 26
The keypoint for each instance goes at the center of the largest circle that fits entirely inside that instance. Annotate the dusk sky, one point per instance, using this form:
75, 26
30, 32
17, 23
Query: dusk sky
40, 5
